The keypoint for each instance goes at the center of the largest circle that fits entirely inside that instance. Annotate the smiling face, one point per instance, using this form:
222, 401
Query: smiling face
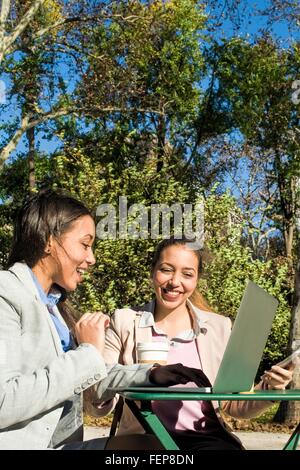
72, 254
175, 276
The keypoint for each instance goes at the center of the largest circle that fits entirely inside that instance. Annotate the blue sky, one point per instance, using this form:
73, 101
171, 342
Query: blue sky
252, 22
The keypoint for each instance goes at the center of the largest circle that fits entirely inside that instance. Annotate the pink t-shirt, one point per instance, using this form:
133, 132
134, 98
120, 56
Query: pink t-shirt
180, 416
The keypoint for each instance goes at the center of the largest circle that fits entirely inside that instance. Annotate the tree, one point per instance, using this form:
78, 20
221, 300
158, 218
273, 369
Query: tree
255, 82
233, 16
31, 72
153, 63
283, 10
229, 264
248, 176
66, 38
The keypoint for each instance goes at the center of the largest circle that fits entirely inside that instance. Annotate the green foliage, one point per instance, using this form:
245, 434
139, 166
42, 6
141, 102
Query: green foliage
267, 416
153, 62
256, 82
121, 275
255, 86
230, 265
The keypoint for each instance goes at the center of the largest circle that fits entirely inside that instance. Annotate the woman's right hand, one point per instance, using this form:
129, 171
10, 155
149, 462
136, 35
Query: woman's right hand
91, 329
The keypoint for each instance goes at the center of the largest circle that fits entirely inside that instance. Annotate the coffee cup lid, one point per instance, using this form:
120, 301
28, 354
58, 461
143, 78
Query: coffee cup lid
154, 346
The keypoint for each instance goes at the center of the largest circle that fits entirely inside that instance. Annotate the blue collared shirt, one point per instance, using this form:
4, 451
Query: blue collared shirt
50, 301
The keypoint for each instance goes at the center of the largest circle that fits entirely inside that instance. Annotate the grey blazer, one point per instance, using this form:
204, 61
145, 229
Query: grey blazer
36, 376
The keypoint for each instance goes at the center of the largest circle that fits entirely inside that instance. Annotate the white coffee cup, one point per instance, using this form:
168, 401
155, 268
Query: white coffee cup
148, 353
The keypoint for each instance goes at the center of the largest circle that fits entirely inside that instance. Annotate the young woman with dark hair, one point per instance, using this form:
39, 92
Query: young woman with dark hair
44, 368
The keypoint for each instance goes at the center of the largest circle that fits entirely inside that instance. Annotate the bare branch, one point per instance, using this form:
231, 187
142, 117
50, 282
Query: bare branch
8, 41
27, 122
59, 23
5, 6
83, 19
265, 234
14, 140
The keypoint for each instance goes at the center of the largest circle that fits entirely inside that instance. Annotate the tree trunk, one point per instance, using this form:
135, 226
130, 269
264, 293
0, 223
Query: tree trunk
289, 412
31, 154
293, 407
161, 140
288, 237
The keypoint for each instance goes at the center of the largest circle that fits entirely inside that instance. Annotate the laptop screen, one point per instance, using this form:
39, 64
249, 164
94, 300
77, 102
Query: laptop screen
247, 341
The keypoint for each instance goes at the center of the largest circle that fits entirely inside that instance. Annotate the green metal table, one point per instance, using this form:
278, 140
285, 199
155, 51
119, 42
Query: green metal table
153, 425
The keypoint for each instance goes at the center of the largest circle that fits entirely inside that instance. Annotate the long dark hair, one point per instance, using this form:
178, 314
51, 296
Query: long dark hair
43, 214
196, 298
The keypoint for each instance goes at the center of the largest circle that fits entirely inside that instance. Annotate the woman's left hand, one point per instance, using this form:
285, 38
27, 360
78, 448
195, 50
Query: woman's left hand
277, 378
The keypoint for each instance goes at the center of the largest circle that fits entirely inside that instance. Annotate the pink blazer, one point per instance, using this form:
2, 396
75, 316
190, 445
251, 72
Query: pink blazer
124, 333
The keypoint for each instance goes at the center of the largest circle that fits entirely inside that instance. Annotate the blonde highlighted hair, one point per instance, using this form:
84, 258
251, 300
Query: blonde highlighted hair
199, 301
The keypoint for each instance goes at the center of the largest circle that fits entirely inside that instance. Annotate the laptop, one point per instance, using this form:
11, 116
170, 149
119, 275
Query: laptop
247, 341
245, 347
